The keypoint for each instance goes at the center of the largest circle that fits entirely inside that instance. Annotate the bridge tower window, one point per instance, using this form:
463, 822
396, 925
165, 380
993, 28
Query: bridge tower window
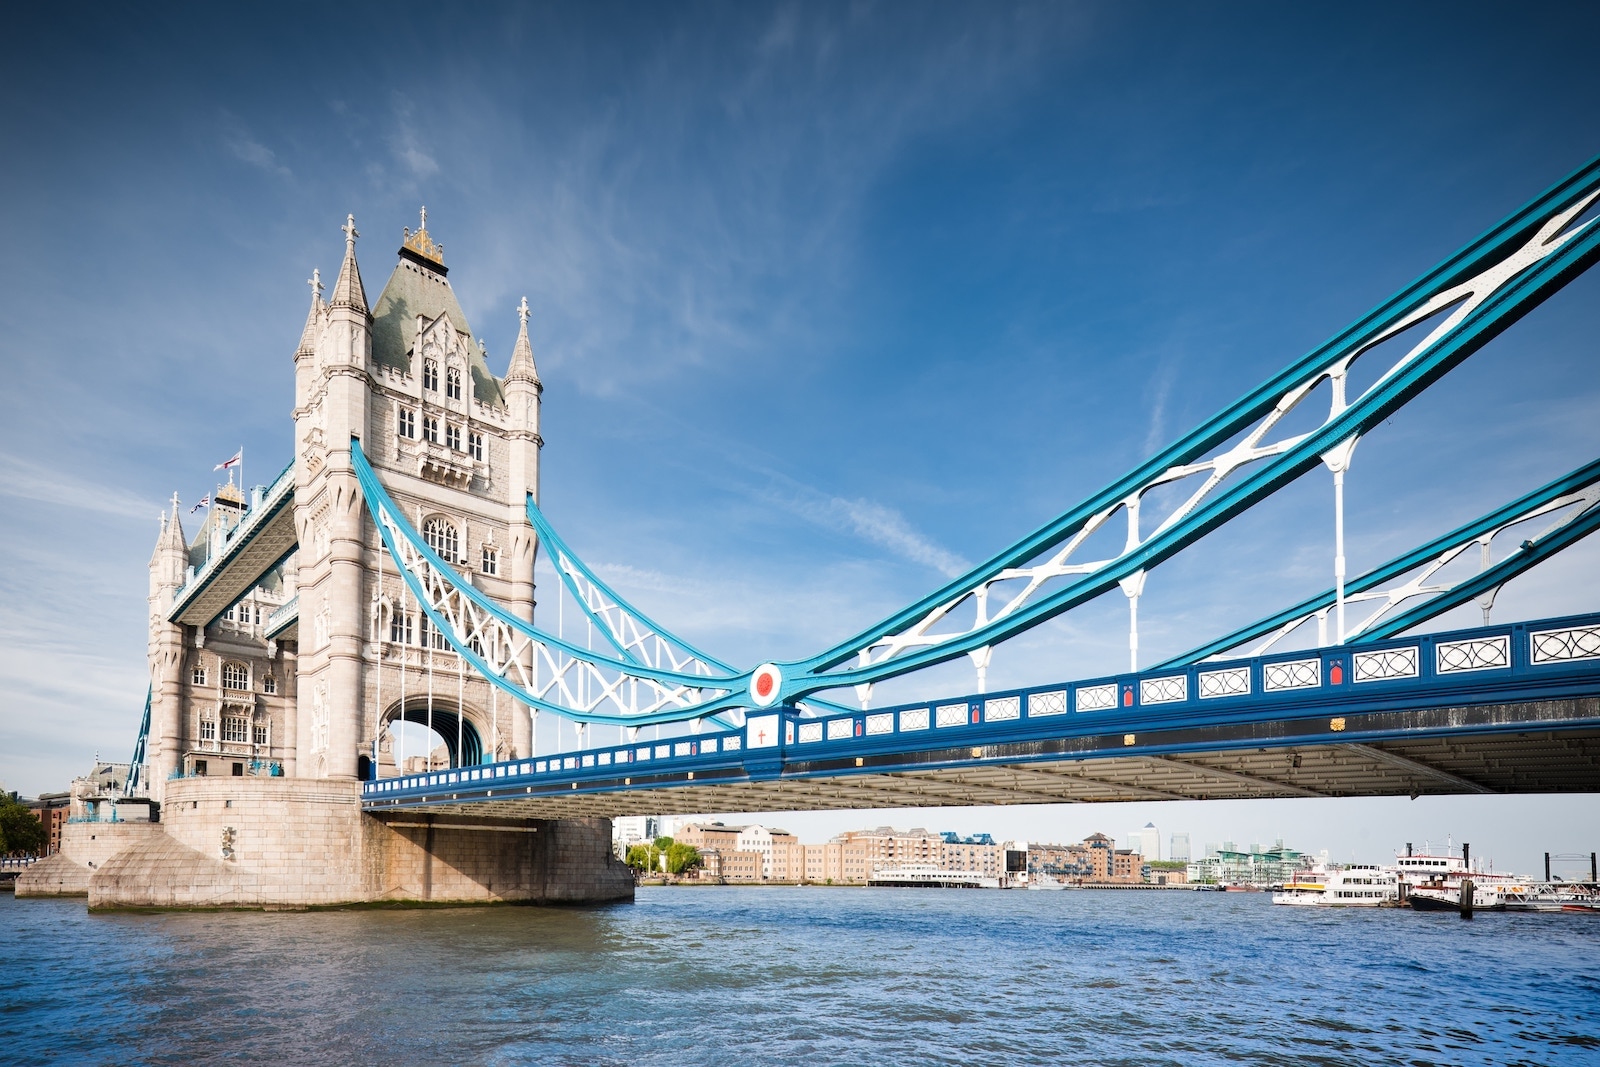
430, 429
475, 446
208, 729
269, 685
262, 733
491, 560
235, 729
235, 676
430, 376
441, 537
452, 383
197, 676
400, 629
406, 423
452, 437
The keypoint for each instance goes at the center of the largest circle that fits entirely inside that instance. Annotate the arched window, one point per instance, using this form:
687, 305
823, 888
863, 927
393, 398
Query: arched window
235, 676
452, 383
197, 676
441, 537
430, 375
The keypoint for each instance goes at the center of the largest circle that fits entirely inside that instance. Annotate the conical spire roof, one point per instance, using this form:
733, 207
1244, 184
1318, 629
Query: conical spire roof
348, 291
308, 336
171, 539
522, 367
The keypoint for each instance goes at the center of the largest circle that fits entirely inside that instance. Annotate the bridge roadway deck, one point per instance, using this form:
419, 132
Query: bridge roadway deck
1503, 709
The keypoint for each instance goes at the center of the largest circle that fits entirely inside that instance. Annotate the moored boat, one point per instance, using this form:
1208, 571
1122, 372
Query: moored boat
1356, 886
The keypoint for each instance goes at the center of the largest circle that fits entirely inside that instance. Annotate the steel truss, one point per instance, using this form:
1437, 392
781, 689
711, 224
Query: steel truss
1239, 457
636, 637
538, 668
1236, 456
1573, 500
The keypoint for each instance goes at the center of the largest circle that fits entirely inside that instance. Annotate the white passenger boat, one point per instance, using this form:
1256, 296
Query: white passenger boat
1356, 886
1432, 882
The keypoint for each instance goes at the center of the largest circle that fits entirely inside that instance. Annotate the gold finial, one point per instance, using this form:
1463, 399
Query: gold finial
422, 243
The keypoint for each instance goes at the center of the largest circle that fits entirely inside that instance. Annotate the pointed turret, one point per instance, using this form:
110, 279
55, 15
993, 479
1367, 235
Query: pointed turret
348, 291
171, 557
308, 336
522, 367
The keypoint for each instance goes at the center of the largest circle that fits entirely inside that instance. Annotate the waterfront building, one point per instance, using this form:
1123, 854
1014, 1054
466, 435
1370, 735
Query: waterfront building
52, 810
1255, 866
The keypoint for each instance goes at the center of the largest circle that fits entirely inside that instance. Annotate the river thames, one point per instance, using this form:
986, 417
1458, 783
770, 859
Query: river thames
813, 975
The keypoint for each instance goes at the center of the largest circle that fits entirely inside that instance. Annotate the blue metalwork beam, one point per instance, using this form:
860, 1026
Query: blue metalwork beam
264, 538
1482, 290
1584, 520
630, 631
136, 764
1339, 695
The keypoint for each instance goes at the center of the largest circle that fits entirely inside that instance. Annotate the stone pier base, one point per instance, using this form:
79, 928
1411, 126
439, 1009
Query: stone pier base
298, 843
86, 847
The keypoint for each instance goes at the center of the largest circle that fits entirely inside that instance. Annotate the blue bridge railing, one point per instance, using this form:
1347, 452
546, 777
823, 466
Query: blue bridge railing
1548, 659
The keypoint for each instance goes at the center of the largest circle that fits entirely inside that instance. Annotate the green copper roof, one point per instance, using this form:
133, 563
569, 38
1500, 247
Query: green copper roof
414, 290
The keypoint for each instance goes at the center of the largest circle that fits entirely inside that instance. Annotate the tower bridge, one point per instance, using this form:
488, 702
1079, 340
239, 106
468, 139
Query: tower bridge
387, 576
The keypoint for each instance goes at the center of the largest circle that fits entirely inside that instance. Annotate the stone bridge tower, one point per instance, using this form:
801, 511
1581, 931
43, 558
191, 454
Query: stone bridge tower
458, 449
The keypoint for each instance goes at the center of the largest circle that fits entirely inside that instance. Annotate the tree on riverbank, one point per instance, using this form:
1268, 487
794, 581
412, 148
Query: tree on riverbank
648, 858
21, 832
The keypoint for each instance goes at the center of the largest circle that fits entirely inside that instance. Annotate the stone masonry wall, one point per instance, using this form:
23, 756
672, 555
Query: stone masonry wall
305, 843
86, 847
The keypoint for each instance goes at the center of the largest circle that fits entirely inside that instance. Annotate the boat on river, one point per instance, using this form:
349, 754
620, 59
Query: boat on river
1355, 886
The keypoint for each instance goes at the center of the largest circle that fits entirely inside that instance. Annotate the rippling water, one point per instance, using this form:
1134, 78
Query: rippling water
845, 976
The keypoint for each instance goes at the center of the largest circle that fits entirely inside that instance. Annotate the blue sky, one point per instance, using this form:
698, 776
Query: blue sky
828, 301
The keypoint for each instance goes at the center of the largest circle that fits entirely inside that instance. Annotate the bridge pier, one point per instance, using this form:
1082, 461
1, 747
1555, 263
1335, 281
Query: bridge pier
285, 843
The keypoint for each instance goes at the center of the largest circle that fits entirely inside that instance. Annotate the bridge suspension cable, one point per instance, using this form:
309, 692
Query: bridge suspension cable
1238, 458
1571, 502
539, 669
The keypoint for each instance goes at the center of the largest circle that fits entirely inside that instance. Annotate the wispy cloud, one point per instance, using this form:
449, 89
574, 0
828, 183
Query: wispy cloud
873, 522
247, 148
406, 144
25, 479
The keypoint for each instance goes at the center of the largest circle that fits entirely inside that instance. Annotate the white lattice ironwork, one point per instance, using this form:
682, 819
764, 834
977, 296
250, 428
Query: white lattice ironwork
1479, 654
1164, 690
1096, 697
839, 729
1291, 674
994, 594
1000, 709
881, 723
1229, 682
636, 639
548, 674
1425, 581
916, 719
1051, 703
1559, 646
1386, 663
809, 732
950, 715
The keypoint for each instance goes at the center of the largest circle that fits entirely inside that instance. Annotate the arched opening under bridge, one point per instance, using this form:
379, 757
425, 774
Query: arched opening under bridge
419, 740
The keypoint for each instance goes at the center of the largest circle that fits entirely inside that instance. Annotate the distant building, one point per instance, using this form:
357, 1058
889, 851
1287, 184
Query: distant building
1180, 848
1146, 842
52, 810
630, 830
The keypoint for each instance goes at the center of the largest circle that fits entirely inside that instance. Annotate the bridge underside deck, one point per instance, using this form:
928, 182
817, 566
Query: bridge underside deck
1566, 761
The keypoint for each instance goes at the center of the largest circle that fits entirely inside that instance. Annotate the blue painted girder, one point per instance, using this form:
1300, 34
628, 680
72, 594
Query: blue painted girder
1577, 251
1532, 552
988, 728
